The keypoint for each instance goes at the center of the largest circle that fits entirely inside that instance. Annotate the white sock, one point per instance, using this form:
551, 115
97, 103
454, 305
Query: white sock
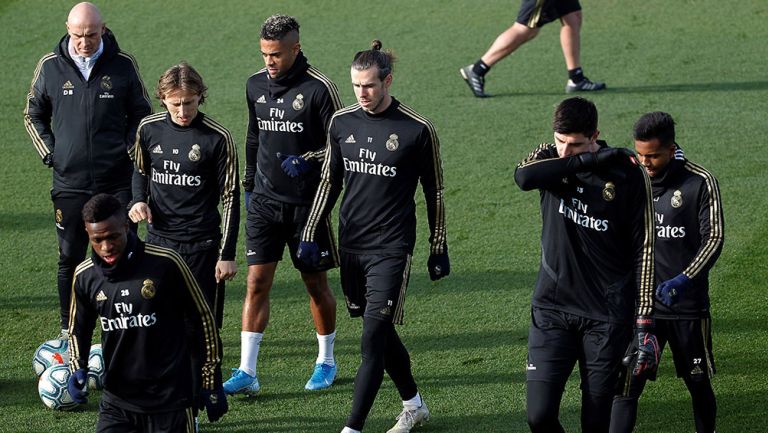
349, 430
413, 403
325, 349
249, 351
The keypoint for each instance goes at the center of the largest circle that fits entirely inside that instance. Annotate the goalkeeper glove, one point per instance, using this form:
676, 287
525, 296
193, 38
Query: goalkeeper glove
646, 356
76, 386
669, 291
439, 265
309, 253
293, 165
215, 403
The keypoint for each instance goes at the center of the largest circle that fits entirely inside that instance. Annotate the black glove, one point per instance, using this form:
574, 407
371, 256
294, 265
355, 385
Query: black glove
669, 291
604, 156
309, 253
215, 403
48, 160
438, 265
76, 386
293, 165
646, 355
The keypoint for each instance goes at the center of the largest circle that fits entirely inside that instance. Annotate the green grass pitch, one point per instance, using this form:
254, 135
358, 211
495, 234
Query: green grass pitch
704, 61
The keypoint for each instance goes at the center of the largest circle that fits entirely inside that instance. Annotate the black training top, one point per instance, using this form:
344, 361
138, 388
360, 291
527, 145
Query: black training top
596, 238
689, 233
142, 305
183, 173
380, 158
289, 116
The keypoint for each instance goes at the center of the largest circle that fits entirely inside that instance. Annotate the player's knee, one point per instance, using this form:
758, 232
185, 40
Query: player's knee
317, 288
258, 284
542, 415
374, 337
541, 421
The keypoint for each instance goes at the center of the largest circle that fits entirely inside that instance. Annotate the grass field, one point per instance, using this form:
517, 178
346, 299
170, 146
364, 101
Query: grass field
704, 61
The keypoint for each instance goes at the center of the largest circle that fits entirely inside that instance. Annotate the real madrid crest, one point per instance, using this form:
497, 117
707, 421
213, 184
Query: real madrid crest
609, 191
298, 103
59, 216
148, 289
677, 199
392, 143
106, 83
194, 154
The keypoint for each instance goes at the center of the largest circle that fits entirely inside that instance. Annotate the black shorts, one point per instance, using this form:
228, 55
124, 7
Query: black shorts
271, 224
536, 13
374, 285
557, 340
691, 343
201, 257
113, 419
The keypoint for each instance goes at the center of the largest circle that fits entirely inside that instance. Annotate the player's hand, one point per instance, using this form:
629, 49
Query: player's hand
647, 354
294, 166
669, 291
139, 212
438, 265
48, 160
309, 253
76, 386
647, 360
225, 270
247, 199
215, 403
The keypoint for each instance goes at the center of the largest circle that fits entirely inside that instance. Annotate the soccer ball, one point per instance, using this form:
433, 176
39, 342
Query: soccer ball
50, 353
52, 388
95, 367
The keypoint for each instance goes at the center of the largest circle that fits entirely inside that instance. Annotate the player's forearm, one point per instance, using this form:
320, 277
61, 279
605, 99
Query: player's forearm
251, 152
436, 218
139, 187
230, 225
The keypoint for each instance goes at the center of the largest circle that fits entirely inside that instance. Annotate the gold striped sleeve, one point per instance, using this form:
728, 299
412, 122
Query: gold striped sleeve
324, 188
230, 183
540, 153
333, 91
210, 333
646, 283
709, 251
138, 75
439, 236
136, 152
37, 140
74, 343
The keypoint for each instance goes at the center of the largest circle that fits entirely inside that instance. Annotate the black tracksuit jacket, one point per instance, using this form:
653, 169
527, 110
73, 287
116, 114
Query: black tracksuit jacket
87, 126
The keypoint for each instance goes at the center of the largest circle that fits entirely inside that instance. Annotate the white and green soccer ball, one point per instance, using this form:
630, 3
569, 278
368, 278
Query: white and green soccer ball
52, 388
96, 368
52, 352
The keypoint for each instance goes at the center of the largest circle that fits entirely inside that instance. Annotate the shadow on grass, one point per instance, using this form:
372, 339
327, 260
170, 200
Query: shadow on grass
26, 221
695, 87
30, 303
744, 86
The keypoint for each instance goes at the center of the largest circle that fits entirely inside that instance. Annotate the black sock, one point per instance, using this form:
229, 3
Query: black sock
480, 68
576, 75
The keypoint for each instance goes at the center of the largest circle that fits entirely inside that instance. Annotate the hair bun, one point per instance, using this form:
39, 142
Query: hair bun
376, 45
